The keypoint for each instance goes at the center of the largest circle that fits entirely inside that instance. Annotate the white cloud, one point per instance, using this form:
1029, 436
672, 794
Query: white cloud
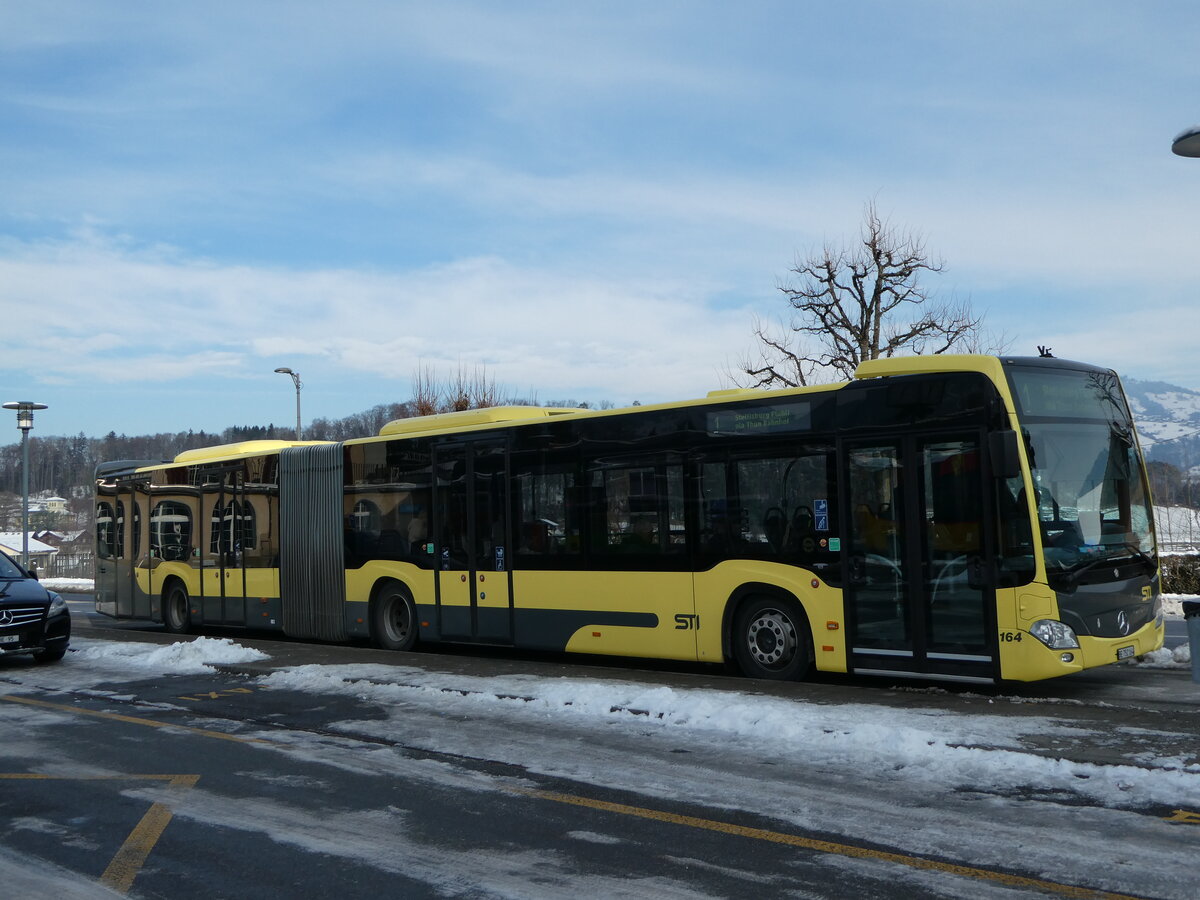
106, 314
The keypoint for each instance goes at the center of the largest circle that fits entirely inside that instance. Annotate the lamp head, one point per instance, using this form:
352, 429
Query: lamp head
24, 410
1187, 142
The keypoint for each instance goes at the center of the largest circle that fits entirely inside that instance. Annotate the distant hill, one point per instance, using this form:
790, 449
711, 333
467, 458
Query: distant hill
1168, 421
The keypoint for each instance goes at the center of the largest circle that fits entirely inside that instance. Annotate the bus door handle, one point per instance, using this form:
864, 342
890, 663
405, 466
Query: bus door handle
976, 573
858, 569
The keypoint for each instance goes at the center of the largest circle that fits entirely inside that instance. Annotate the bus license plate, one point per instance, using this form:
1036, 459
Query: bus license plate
1126, 652
9, 638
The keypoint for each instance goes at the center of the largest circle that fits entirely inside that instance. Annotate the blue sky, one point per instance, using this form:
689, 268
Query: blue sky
589, 201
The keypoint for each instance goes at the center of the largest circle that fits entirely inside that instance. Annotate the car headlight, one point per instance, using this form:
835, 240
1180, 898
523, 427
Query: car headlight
57, 604
1054, 634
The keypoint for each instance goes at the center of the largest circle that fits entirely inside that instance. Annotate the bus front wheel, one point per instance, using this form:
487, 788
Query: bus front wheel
177, 615
770, 639
393, 618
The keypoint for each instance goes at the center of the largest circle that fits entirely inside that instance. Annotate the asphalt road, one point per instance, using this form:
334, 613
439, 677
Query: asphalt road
197, 786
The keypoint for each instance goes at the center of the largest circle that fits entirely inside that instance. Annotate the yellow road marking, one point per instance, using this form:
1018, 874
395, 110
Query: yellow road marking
216, 695
131, 720
129, 859
1184, 815
776, 837
131, 855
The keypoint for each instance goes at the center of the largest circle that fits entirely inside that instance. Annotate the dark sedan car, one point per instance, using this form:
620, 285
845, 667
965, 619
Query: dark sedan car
33, 620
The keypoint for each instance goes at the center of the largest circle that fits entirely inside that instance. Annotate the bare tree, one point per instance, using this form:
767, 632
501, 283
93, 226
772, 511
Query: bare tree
483, 389
458, 391
461, 391
858, 303
426, 391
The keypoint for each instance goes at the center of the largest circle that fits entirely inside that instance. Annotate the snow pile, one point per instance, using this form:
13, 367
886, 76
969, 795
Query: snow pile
188, 658
1165, 658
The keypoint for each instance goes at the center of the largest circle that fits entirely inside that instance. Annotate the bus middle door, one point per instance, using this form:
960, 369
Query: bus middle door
223, 572
471, 529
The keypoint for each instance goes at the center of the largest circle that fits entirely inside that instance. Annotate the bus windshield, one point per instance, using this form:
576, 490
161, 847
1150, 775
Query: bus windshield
1092, 503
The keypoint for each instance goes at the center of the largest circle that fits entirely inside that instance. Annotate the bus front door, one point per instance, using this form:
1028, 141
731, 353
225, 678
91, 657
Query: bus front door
920, 595
470, 525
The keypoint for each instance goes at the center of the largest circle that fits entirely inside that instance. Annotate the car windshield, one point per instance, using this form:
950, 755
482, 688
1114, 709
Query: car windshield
9, 569
1092, 502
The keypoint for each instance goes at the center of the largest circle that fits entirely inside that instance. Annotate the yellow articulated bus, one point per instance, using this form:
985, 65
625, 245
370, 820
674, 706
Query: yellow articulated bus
966, 518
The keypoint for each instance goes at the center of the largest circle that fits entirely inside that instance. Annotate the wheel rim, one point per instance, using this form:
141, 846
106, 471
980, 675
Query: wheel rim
177, 609
395, 619
771, 639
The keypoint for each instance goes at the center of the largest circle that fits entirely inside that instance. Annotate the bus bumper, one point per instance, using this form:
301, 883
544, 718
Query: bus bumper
1031, 660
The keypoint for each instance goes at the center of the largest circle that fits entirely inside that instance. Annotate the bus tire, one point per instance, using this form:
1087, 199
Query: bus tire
771, 639
393, 617
177, 609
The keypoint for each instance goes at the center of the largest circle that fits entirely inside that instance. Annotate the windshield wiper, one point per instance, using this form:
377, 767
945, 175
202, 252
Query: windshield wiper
1142, 556
1070, 578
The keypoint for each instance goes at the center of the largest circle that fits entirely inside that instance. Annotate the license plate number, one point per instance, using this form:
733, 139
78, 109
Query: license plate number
10, 638
1125, 652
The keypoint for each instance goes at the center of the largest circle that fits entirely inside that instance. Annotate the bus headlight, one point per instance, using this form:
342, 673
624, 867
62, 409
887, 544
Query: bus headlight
1054, 634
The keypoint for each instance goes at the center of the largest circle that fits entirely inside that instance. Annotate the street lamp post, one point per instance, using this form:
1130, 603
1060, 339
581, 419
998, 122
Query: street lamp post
284, 370
24, 410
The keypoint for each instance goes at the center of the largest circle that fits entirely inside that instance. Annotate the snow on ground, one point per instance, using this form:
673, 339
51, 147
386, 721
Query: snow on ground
921, 777
1173, 603
930, 743
69, 585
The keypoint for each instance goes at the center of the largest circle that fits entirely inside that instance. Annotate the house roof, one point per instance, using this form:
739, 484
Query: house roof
10, 543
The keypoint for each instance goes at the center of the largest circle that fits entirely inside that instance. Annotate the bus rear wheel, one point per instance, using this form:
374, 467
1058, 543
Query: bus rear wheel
177, 616
393, 618
770, 639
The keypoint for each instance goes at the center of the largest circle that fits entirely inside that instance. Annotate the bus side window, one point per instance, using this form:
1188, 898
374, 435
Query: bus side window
721, 526
119, 532
776, 508
638, 509
548, 513
1016, 533
105, 541
171, 530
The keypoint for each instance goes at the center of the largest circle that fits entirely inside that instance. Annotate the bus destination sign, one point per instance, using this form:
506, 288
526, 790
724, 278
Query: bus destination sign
761, 420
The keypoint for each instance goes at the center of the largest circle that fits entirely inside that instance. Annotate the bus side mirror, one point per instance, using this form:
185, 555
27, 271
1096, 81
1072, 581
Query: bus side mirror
1006, 459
